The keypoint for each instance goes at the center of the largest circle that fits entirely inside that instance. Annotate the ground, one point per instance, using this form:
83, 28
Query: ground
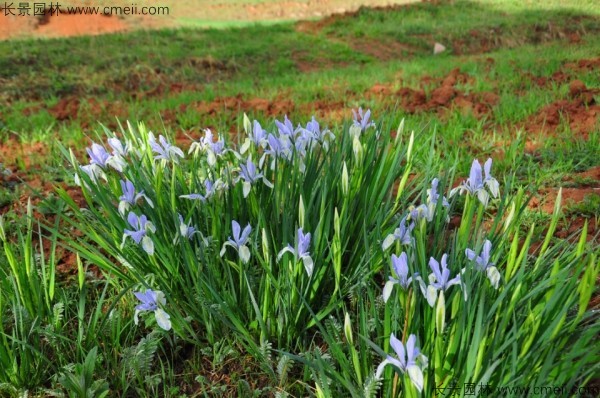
517, 83
184, 13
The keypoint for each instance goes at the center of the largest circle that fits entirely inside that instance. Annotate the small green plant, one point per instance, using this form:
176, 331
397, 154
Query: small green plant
79, 381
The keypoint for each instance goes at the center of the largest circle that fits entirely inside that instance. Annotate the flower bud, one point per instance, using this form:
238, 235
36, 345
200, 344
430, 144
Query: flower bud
348, 329
440, 313
301, 213
345, 178
358, 150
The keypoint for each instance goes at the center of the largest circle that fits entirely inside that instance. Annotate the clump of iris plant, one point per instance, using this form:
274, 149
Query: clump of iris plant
150, 301
409, 360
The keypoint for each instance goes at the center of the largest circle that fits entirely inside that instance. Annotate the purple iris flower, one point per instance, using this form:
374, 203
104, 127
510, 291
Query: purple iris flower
300, 251
285, 128
322, 136
277, 147
186, 231
475, 184
93, 171
439, 280
313, 127
129, 197
249, 172
218, 147
141, 226
408, 360
475, 181
442, 275
150, 301
210, 189
165, 150
362, 119
402, 233
240, 238
118, 148
483, 261
490, 181
98, 155
400, 265
259, 135
484, 264
433, 194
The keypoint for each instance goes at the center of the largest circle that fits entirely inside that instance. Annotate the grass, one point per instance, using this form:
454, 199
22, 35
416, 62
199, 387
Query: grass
257, 330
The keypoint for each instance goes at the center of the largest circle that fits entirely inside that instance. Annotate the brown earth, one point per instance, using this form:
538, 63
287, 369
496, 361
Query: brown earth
580, 112
439, 95
63, 25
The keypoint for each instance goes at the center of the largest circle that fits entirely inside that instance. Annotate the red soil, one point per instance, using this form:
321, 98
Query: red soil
61, 25
64, 25
443, 95
580, 112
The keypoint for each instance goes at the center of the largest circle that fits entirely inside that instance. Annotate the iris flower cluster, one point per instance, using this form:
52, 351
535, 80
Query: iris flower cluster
480, 184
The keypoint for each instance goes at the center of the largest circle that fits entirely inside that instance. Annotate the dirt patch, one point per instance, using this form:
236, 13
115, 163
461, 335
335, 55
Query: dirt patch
584, 65
568, 227
546, 198
306, 64
439, 95
58, 25
384, 50
64, 25
571, 29
86, 111
12, 26
558, 77
274, 108
16, 154
564, 75
580, 113
592, 175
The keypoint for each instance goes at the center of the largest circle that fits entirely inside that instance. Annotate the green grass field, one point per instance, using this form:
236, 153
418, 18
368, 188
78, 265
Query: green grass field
519, 82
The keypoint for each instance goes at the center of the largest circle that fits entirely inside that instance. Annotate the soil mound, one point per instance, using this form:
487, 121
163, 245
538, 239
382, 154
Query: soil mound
64, 25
